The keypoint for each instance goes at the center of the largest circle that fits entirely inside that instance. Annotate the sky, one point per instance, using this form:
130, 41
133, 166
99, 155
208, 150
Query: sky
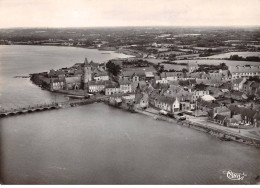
105, 13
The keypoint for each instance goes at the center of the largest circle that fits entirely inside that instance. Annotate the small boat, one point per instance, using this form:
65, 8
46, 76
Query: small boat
76, 96
222, 138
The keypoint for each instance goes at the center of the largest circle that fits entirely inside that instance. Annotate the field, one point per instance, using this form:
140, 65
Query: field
173, 66
243, 54
217, 62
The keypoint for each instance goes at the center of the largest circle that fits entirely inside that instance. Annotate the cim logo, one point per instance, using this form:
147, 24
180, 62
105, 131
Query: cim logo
234, 176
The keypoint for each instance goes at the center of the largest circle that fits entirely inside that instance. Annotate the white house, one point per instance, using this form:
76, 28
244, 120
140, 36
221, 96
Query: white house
141, 100
112, 90
196, 94
244, 71
174, 76
238, 84
95, 87
101, 76
125, 86
166, 103
161, 80
56, 84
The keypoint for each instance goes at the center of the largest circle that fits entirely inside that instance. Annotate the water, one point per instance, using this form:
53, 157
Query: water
24, 60
98, 144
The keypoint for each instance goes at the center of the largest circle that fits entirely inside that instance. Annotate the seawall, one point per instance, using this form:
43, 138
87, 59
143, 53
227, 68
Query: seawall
222, 135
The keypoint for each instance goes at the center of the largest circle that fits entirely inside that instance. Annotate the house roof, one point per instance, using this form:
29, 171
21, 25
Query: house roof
140, 96
112, 85
90, 64
130, 73
238, 81
226, 85
163, 75
210, 81
174, 89
124, 82
244, 111
208, 98
244, 69
60, 72
77, 65
214, 90
157, 78
139, 73
101, 73
58, 79
45, 79
225, 72
149, 89
236, 118
257, 115
167, 100
52, 73
79, 71
201, 87
237, 93
91, 83
248, 112
220, 117
149, 74
208, 104
73, 79
140, 83
248, 83
255, 85
154, 93
195, 74
173, 74
145, 69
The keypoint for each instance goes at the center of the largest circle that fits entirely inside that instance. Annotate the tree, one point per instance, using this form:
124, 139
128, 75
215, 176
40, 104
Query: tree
184, 71
172, 56
200, 86
254, 78
113, 68
223, 66
161, 69
236, 57
183, 83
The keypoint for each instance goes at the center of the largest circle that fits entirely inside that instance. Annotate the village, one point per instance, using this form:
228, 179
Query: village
229, 97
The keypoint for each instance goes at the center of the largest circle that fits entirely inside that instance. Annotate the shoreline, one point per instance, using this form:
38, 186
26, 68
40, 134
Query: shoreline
105, 49
131, 52
199, 127
220, 134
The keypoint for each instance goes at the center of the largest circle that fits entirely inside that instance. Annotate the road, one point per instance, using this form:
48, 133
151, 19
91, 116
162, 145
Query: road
252, 133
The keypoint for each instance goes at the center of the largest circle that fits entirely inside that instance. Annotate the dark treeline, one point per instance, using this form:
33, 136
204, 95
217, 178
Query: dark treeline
207, 68
240, 58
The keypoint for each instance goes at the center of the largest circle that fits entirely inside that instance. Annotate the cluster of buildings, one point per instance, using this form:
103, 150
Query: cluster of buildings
227, 97
81, 76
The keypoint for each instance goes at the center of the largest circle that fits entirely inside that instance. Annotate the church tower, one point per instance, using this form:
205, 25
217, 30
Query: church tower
87, 73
